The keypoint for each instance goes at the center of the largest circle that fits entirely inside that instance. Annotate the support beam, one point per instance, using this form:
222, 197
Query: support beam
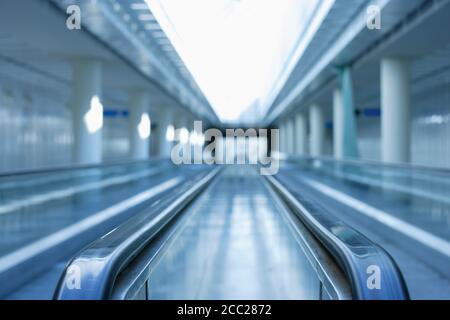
87, 111
395, 111
338, 124
140, 125
290, 137
198, 142
282, 128
166, 124
181, 127
301, 134
316, 120
350, 143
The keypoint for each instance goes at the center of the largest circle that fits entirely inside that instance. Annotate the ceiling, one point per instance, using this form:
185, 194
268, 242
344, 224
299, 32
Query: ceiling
35, 41
343, 39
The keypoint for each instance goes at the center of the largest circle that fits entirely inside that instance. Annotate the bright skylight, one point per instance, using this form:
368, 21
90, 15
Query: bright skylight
235, 49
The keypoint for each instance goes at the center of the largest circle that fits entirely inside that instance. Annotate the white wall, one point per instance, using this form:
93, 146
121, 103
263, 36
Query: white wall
36, 126
369, 133
430, 114
115, 144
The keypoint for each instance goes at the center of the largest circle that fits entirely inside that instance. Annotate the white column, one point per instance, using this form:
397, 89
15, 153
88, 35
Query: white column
181, 121
301, 138
87, 111
338, 124
317, 130
198, 144
290, 137
282, 128
165, 121
185, 124
178, 124
140, 125
350, 137
395, 111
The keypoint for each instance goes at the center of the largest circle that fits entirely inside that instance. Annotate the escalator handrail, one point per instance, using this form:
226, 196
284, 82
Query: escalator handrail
91, 274
374, 163
77, 167
354, 253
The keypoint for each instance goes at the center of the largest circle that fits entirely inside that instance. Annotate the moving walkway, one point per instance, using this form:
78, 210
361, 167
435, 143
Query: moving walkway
319, 229
232, 234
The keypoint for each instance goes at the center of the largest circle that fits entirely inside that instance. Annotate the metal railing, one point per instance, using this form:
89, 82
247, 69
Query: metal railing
92, 273
372, 163
332, 282
370, 270
76, 167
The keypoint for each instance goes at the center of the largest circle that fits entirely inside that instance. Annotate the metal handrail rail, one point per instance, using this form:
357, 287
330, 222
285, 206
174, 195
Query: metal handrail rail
77, 167
358, 256
92, 273
333, 282
373, 163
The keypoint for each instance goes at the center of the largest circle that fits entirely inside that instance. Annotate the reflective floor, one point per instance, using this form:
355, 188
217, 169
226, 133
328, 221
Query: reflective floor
235, 245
